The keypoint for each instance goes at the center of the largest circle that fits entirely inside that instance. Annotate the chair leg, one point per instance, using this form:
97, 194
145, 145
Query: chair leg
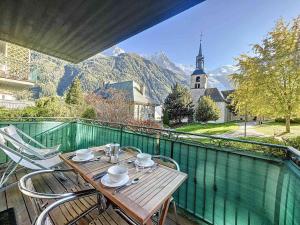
175, 212
101, 203
11, 167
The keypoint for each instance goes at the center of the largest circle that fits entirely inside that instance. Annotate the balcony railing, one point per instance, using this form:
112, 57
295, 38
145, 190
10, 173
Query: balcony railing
15, 104
230, 181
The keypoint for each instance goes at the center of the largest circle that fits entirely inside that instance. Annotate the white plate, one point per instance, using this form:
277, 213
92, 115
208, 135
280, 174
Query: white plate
147, 164
108, 183
76, 159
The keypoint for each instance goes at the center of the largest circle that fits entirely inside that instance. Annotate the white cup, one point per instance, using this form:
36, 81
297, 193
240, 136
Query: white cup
83, 153
143, 157
117, 173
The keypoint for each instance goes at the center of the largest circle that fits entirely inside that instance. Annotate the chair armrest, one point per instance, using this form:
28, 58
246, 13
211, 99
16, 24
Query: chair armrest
168, 159
75, 195
25, 190
131, 147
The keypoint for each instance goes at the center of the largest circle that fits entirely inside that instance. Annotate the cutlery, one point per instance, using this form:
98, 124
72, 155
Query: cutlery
71, 156
131, 182
92, 160
99, 175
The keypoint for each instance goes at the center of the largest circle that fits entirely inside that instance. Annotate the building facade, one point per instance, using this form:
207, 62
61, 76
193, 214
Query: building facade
199, 87
14, 75
141, 107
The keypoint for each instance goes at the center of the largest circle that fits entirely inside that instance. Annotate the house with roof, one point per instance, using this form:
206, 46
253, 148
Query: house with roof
199, 88
141, 106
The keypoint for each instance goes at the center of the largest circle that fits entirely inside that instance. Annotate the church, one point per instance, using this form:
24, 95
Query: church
199, 88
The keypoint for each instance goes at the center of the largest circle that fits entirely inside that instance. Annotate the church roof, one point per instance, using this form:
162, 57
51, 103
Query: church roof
198, 72
214, 94
227, 93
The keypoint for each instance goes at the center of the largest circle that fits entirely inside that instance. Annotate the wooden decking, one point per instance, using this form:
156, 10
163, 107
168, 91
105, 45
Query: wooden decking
26, 212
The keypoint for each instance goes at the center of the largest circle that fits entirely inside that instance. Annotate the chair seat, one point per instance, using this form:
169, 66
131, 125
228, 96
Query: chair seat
109, 217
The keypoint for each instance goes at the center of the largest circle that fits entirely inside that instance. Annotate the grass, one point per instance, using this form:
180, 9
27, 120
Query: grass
278, 129
210, 129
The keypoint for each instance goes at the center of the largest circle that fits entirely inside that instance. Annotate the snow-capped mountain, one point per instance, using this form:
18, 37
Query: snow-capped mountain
218, 78
162, 60
187, 69
113, 51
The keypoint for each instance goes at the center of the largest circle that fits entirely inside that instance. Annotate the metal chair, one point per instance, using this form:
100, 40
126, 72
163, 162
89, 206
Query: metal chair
171, 163
19, 158
131, 148
14, 136
107, 215
27, 188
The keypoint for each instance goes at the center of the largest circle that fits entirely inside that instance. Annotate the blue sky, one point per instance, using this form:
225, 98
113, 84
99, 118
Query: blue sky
229, 28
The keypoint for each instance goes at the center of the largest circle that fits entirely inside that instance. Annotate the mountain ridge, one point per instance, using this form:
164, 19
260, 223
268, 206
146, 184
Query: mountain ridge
157, 72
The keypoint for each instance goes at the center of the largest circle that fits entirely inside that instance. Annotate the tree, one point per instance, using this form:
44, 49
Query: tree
179, 103
166, 120
112, 106
268, 82
207, 110
75, 94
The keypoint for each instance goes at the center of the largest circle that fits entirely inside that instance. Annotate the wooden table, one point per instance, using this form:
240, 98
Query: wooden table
139, 201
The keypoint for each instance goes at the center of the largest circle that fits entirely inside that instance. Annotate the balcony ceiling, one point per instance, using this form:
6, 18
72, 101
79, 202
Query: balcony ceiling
75, 30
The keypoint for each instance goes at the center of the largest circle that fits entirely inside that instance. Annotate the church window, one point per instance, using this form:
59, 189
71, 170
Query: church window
196, 85
197, 79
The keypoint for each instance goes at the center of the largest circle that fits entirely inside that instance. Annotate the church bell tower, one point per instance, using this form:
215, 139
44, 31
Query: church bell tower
199, 77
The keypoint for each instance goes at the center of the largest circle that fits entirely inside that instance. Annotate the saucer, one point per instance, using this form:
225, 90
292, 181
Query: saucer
108, 183
76, 159
149, 163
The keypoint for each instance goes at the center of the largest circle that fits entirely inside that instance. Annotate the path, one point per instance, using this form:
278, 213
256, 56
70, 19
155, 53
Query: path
240, 131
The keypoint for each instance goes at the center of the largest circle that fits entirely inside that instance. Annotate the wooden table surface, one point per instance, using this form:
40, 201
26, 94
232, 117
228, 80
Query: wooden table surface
139, 201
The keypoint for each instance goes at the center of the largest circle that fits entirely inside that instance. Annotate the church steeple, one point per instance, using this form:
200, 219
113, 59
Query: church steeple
200, 58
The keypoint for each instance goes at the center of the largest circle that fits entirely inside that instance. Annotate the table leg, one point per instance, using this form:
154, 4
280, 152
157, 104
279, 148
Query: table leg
149, 222
164, 212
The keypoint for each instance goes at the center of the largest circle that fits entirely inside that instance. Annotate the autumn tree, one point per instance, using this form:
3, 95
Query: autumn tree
206, 110
179, 104
268, 82
75, 93
112, 106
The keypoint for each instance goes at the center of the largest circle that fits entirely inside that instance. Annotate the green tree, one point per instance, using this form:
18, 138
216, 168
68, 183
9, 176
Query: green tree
166, 120
268, 83
89, 113
179, 103
53, 107
207, 110
75, 94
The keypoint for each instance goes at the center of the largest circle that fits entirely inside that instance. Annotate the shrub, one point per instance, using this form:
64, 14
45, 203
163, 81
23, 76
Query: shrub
207, 110
294, 142
282, 120
89, 113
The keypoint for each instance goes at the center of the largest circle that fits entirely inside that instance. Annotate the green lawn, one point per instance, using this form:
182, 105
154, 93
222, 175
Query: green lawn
277, 129
211, 129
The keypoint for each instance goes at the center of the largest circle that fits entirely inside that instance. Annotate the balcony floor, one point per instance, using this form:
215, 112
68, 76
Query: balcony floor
26, 213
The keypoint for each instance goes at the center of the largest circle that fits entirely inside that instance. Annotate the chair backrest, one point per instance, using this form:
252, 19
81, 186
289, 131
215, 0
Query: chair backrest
11, 135
12, 131
166, 161
17, 157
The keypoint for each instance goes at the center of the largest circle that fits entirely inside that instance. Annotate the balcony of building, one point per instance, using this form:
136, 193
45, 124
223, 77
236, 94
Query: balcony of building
229, 181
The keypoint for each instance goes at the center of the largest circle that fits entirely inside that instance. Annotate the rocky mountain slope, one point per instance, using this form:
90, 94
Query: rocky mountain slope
55, 76
157, 72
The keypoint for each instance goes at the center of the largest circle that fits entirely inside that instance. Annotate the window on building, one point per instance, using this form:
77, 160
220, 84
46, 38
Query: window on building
195, 85
197, 79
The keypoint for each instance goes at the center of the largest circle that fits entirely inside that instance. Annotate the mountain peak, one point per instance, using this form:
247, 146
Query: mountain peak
113, 51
